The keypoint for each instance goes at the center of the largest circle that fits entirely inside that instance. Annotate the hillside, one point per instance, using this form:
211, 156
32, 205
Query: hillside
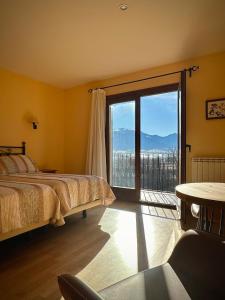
123, 140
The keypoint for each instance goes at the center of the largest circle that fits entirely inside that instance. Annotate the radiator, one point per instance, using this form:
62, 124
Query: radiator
208, 169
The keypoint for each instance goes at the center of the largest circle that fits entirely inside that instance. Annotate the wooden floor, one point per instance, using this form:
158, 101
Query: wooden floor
109, 245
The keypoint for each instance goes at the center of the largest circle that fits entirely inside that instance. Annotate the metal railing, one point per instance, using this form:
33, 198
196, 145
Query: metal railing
159, 170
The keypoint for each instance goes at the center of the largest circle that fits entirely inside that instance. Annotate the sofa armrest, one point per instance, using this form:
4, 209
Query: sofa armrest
72, 288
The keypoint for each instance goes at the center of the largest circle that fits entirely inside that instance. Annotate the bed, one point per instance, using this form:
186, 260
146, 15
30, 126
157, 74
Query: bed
30, 199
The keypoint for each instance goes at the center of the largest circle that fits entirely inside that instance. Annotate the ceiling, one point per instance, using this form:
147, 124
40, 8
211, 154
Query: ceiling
69, 42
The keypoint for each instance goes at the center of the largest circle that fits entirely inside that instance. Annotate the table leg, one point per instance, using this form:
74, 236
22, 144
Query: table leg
201, 217
211, 220
221, 222
203, 223
207, 222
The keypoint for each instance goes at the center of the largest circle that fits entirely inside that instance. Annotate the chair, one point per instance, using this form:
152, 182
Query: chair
195, 270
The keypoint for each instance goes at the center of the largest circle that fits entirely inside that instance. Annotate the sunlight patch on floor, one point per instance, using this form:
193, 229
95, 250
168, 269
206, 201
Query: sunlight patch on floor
118, 259
161, 236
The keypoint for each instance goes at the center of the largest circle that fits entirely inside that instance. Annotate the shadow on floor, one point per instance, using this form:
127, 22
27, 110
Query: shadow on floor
31, 262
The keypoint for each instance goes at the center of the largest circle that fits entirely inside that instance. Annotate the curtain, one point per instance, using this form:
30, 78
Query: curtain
96, 154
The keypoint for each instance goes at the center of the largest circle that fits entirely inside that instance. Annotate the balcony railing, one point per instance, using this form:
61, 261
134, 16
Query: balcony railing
159, 170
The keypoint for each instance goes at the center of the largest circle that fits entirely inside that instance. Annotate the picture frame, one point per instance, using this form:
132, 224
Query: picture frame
215, 109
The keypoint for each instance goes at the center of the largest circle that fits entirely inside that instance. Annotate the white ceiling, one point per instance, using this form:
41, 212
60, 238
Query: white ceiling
69, 42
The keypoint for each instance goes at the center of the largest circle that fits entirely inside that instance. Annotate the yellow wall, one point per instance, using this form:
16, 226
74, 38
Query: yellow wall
77, 112
20, 99
206, 137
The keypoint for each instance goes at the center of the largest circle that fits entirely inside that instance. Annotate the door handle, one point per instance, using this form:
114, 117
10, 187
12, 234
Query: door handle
188, 146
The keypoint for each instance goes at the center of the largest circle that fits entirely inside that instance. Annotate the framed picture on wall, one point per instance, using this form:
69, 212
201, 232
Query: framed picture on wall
215, 109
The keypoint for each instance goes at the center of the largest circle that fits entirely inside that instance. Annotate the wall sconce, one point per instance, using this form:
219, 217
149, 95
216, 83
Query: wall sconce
31, 119
35, 124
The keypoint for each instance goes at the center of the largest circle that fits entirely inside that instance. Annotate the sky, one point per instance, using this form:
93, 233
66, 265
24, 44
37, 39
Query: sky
158, 114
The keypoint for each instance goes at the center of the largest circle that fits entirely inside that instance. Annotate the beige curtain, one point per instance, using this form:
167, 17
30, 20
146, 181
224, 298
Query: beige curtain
96, 154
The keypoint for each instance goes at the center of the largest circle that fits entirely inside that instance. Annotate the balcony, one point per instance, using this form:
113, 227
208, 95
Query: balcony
155, 199
159, 170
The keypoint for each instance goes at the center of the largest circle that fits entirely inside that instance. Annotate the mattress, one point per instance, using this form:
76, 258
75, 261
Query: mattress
29, 198
25, 204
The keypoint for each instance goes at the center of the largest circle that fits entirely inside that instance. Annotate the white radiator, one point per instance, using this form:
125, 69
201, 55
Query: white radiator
208, 169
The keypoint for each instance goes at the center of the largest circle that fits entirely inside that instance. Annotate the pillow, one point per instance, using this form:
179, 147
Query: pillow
10, 164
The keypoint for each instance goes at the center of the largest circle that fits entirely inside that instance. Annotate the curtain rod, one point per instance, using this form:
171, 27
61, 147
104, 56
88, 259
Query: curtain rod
189, 70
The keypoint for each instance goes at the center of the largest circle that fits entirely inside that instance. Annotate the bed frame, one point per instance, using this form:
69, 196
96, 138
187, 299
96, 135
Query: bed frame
13, 150
16, 150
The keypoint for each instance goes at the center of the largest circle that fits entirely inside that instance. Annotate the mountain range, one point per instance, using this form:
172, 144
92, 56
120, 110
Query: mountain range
123, 140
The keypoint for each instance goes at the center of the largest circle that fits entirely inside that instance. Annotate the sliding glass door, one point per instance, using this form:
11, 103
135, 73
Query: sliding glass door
121, 147
142, 137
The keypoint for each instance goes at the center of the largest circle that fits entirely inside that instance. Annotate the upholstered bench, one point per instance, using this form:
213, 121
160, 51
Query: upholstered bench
195, 270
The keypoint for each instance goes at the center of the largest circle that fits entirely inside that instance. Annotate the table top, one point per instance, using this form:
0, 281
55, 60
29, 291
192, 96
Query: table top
202, 193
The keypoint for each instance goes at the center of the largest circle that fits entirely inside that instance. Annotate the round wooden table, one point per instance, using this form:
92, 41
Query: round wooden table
209, 196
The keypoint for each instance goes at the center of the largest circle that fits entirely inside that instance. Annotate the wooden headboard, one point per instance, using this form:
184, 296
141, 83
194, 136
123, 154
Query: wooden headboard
13, 150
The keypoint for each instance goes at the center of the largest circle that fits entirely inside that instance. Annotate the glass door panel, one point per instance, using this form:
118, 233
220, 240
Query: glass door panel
159, 146
122, 144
